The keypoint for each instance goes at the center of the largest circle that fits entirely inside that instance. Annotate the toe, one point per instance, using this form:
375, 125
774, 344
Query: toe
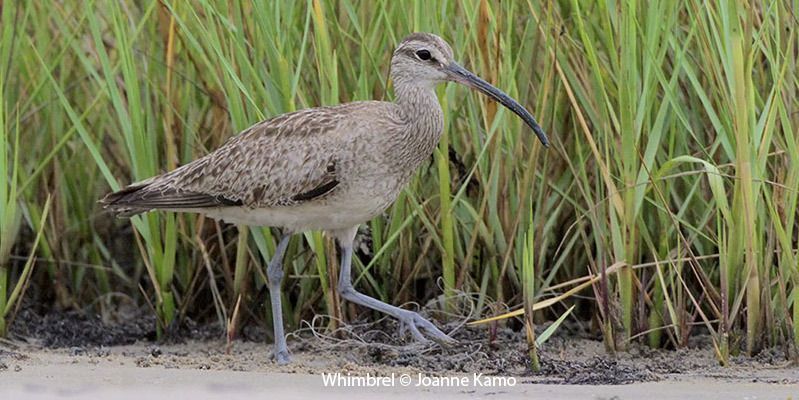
433, 331
282, 358
409, 321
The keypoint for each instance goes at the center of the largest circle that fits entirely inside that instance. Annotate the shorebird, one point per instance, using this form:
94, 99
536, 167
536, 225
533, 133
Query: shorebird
326, 168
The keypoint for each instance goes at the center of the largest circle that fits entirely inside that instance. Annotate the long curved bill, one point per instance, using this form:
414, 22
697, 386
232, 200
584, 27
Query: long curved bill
464, 76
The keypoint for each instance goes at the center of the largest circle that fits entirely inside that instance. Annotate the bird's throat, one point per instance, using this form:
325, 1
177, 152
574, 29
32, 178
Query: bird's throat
424, 123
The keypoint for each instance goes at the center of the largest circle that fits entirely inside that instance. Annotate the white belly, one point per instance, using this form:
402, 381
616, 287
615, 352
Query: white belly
350, 205
302, 217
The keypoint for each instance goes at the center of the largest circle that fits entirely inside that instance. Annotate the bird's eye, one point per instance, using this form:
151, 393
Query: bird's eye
423, 55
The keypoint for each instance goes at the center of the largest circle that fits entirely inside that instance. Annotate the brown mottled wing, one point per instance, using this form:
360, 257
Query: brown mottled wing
282, 161
322, 189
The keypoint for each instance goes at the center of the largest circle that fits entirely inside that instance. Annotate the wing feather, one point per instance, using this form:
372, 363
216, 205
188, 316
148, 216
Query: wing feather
281, 161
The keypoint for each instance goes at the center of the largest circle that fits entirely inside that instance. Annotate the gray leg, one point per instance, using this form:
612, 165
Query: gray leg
275, 274
410, 319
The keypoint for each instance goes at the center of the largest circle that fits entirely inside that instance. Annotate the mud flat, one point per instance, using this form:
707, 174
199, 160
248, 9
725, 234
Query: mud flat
202, 369
75, 357
187, 372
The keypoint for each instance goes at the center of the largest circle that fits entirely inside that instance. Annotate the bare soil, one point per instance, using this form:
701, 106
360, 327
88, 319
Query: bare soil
70, 347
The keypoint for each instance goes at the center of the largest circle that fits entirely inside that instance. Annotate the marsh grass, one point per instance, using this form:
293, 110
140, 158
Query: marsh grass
669, 196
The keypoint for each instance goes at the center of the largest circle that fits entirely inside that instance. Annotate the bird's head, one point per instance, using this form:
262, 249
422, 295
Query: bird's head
425, 60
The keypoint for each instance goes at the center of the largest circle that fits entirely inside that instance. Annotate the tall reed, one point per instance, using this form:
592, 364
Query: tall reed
669, 196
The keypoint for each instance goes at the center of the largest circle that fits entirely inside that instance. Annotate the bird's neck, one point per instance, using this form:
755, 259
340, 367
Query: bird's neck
420, 106
421, 110
411, 94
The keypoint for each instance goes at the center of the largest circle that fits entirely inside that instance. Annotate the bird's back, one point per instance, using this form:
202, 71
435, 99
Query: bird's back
287, 160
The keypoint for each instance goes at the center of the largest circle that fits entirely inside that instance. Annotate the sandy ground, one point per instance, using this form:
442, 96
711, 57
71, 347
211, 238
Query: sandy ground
201, 369
76, 356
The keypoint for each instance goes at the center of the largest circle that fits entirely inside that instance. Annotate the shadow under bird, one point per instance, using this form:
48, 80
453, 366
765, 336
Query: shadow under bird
327, 168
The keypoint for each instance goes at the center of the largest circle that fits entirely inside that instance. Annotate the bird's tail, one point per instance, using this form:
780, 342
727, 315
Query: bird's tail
123, 203
158, 194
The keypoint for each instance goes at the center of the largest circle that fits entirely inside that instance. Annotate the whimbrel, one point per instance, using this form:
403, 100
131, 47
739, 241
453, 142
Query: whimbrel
327, 168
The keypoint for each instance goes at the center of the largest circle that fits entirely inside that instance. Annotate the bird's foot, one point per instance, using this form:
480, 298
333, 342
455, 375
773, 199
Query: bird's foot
281, 357
414, 322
